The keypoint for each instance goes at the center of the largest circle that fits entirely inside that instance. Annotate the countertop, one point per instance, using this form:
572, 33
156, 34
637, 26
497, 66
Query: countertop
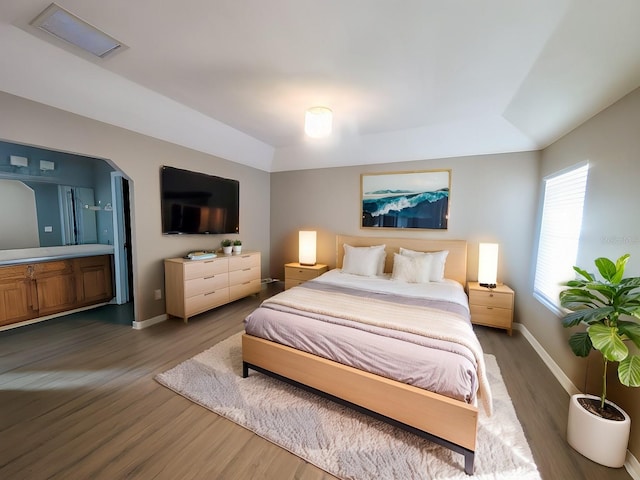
43, 254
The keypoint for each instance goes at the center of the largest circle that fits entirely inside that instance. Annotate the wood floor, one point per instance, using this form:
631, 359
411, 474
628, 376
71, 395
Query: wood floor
78, 401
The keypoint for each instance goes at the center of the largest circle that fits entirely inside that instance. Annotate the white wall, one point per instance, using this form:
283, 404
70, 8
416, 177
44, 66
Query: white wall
610, 142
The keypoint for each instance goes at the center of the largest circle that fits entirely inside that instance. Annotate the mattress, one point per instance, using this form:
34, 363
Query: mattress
381, 347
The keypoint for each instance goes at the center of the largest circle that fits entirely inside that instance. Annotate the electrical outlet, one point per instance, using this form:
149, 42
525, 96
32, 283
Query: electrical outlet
157, 294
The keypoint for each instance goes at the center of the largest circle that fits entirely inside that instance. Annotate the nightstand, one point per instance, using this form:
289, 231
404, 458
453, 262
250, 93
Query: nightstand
492, 307
295, 274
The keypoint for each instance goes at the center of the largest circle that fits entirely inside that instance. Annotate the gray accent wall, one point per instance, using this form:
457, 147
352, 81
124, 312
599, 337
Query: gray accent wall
493, 198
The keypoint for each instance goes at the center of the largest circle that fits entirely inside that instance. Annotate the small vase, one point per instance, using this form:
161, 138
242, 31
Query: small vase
237, 248
227, 250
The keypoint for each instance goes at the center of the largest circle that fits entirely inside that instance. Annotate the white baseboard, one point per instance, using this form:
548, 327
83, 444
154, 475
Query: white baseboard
566, 383
631, 464
149, 321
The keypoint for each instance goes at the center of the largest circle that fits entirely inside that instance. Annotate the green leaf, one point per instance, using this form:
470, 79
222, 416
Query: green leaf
629, 371
577, 297
587, 315
631, 281
631, 330
584, 273
581, 344
620, 266
606, 340
606, 268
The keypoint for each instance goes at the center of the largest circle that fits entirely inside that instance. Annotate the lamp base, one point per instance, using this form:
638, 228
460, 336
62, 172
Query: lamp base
488, 285
307, 264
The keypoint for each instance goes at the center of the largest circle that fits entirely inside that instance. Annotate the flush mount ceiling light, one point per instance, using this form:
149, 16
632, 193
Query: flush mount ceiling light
317, 122
62, 24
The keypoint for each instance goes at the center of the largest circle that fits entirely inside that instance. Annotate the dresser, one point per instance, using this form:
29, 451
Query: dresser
492, 307
195, 286
295, 273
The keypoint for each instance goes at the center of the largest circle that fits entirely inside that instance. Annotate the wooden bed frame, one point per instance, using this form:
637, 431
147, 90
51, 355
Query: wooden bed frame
449, 422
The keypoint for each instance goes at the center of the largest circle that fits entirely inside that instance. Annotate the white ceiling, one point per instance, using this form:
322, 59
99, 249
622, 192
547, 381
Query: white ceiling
406, 80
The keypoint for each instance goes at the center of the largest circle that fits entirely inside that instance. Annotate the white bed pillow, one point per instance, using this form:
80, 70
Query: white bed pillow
438, 260
411, 269
365, 261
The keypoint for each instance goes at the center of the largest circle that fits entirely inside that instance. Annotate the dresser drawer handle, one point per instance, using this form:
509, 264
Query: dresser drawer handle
246, 269
209, 293
207, 278
208, 261
491, 294
246, 283
489, 308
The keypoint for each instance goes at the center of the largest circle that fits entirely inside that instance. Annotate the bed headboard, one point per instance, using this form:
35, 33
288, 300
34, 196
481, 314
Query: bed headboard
455, 268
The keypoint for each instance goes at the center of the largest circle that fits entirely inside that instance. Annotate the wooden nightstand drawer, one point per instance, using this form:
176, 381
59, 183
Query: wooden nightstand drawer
491, 316
295, 274
491, 307
491, 298
292, 283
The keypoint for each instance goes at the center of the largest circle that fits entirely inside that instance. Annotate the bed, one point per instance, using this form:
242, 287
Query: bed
375, 344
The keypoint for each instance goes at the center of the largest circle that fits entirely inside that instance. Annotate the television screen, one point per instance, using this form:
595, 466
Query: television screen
197, 203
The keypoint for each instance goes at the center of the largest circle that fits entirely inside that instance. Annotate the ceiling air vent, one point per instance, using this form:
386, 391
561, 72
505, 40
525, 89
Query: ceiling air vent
66, 26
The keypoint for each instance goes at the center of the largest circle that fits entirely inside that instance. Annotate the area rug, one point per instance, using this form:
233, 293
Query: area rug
339, 440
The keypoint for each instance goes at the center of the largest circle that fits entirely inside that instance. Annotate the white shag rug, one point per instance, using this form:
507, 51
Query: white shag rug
339, 440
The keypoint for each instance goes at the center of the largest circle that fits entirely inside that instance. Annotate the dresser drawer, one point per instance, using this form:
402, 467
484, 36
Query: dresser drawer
205, 268
244, 289
205, 301
240, 262
491, 316
245, 275
207, 284
491, 298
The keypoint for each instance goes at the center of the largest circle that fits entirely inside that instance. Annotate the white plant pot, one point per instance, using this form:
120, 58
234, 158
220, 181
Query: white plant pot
237, 248
599, 439
227, 250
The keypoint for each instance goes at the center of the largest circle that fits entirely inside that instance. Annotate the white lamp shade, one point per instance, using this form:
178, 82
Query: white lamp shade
317, 122
488, 263
307, 247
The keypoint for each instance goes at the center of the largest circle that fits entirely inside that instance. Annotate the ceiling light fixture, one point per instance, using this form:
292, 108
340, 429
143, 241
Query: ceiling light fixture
62, 24
317, 122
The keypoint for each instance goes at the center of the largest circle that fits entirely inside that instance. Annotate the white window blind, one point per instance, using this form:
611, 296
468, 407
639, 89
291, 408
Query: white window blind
559, 233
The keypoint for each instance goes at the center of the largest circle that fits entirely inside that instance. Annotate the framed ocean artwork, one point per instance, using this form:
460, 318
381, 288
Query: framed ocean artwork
405, 199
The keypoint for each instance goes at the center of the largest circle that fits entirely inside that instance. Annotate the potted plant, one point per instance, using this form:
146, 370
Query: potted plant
610, 309
237, 246
227, 246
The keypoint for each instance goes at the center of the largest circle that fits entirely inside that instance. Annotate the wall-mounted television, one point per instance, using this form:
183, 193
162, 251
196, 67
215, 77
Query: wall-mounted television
196, 203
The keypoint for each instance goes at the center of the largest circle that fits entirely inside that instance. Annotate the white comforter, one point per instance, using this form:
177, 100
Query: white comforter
448, 290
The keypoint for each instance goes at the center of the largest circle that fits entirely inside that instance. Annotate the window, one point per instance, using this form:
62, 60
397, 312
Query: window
559, 233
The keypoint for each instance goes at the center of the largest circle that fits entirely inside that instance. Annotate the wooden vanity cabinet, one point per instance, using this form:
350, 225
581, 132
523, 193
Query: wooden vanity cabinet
55, 286
94, 283
16, 295
37, 289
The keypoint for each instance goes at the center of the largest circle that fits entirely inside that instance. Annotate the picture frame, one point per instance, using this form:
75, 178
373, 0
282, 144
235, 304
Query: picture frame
405, 200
